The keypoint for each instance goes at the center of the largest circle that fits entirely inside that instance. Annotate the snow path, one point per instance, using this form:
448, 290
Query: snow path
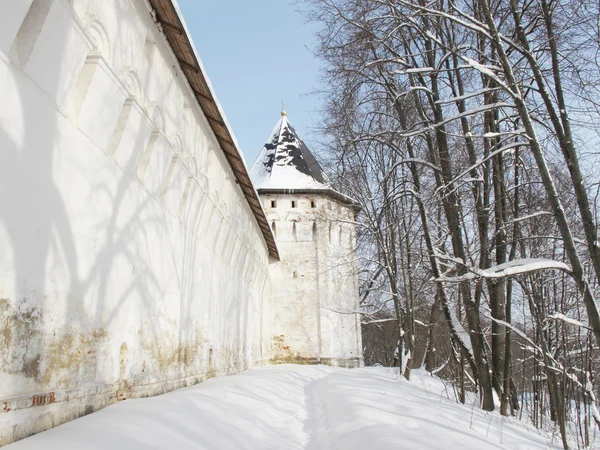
295, 407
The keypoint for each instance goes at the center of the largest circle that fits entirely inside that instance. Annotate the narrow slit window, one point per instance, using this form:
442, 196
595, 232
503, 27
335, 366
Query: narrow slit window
294, 274
274, 228
273, 204
293, 203
313, 204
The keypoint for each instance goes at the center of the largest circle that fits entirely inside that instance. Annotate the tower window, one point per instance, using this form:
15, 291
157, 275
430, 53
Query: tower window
294, 274
313, 204
273, 204
293, 203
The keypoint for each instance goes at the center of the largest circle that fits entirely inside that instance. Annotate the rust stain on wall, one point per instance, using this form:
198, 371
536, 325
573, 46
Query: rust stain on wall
68, 354
280, 346
31, 367
20, 338
284, 355
43, 357
164, 355
211, 367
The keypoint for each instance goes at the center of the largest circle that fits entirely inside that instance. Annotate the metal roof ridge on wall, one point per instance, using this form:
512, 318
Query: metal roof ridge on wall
170, 18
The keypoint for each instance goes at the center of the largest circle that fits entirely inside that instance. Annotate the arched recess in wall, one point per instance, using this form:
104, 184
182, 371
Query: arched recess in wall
202, 184
206, 213
203, 150
294, 218
273, 219
220, 242
228, 245
98, 34
236, 215
184, 197
214, 197
176, 142
241, 259
158, 117
211, 201
158, 120
133, 86
189, 130
224, 208
314, 231
329, 232
176, 146
183, 152
27, 36
101, 49
149, 48
193, 166
221, 227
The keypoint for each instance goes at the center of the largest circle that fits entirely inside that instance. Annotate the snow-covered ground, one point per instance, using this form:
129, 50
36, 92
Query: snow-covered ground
296, 407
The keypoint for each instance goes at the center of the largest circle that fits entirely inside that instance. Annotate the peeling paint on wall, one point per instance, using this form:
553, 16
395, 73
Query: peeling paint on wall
20, 338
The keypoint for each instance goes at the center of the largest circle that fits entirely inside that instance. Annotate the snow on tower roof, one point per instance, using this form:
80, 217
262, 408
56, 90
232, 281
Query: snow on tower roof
285, 162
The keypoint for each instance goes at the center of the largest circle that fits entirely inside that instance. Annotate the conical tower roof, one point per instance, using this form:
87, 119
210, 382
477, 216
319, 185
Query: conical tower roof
285, 162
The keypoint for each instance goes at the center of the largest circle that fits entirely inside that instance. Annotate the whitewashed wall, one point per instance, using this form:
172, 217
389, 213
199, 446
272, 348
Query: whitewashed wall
315, 299
130, 263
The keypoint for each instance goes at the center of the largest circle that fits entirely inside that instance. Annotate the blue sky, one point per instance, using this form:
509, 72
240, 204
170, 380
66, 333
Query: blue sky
255, 54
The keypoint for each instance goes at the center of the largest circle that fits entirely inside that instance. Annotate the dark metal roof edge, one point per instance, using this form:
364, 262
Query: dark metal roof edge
249, 194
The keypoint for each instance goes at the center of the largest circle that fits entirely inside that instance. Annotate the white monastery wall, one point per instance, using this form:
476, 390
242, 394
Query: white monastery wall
130, 262
315, 296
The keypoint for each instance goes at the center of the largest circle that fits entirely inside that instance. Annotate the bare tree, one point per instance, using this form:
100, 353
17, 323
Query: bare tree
456, 123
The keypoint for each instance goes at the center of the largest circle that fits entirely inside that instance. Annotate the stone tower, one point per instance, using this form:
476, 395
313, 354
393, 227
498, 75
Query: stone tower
315, 284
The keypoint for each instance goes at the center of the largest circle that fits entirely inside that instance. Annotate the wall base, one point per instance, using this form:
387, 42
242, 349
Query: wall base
24, 416
295, 360
349, 363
